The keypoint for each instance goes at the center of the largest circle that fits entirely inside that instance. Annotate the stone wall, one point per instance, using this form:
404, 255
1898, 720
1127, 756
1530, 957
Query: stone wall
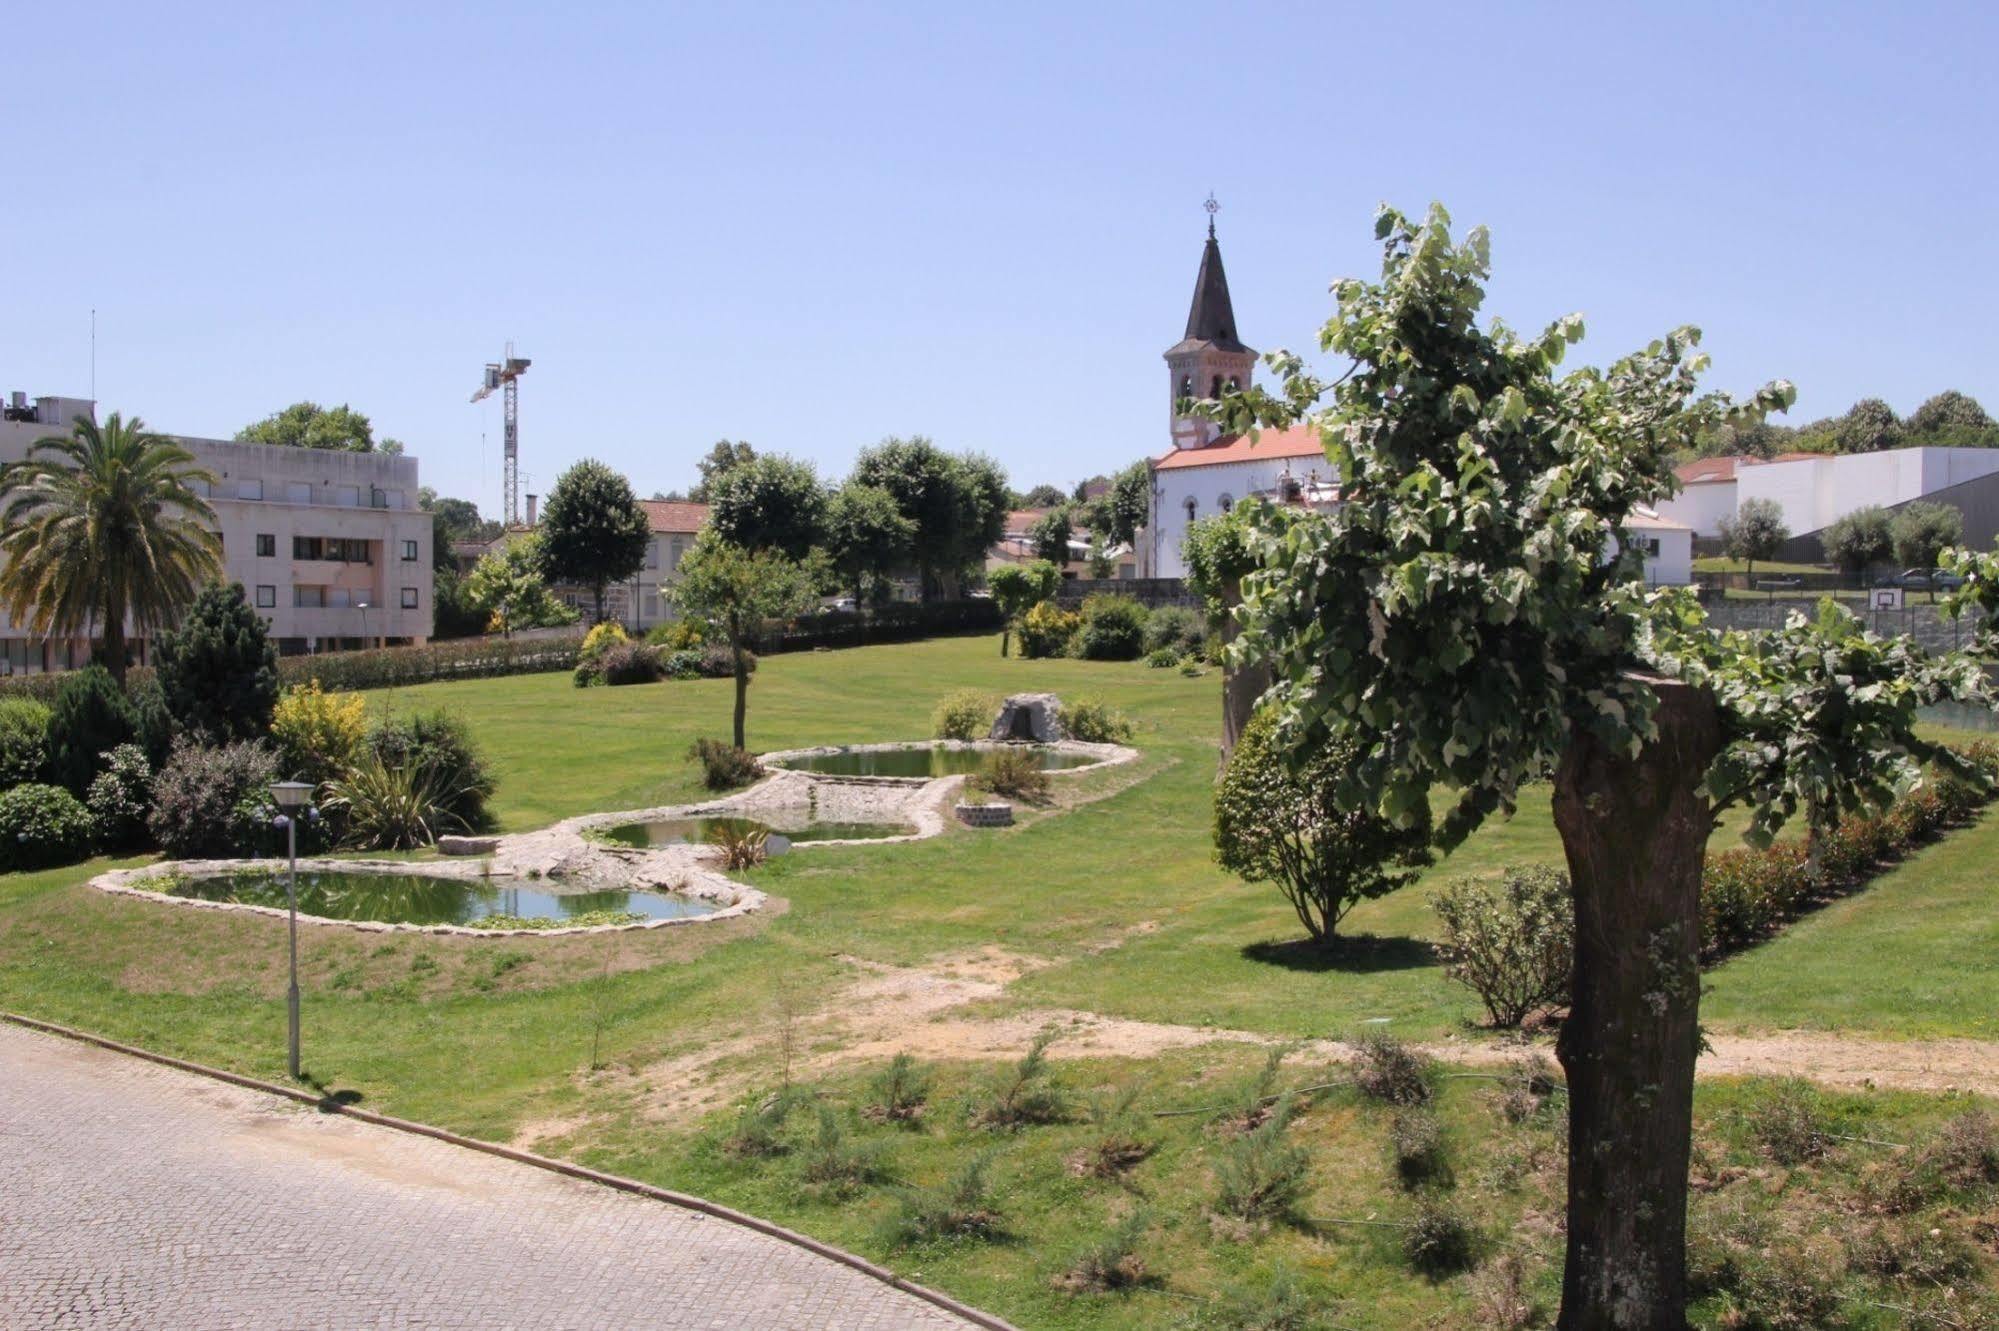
1921, 622
1148, 591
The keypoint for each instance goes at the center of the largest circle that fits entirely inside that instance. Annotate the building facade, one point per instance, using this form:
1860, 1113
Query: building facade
331, 548
641, 601
1205, 472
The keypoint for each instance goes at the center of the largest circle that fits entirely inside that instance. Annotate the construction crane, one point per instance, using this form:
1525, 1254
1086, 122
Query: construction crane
506, 375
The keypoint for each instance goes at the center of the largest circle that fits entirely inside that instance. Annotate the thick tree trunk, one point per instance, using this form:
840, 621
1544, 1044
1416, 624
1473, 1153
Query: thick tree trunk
1634, 831
1241, 686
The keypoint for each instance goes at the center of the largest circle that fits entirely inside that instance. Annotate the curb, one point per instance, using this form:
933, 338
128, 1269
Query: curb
682, 1200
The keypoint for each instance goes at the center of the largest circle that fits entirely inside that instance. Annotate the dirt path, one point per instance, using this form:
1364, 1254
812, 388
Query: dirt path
933, 1012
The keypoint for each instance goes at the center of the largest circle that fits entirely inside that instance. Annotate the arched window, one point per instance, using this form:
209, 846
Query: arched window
1227, 501
1191, 507
1216, 389
1234, 386
1186, 385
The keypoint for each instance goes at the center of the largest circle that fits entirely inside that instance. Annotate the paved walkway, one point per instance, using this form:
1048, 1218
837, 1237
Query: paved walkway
135, 1195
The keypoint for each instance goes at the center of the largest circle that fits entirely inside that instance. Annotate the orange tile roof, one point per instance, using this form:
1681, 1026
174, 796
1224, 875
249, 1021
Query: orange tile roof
1299, 441
1708, 469
674, 515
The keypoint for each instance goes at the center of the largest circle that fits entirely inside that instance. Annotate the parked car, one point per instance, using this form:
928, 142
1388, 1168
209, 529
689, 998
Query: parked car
1923, 580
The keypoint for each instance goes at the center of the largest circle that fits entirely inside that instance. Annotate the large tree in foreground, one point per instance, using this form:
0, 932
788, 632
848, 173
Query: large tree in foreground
103, 524
593, 531
1474, 617
737, 590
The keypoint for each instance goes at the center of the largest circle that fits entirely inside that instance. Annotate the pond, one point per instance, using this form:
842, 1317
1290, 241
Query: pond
407, 898
930, 760
703, 831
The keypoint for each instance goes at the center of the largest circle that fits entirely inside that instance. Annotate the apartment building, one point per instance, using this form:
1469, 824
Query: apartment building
331, 548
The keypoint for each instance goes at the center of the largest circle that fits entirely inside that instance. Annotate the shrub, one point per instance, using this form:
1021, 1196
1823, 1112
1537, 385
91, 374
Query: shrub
1261, 1175
723, 765
1113, 628
965, 714
758, 1127
1045, 631
684, 634
1417, 1140
1790, 1124
600, 639
743, 846
90, 717
1162, 658
1111, 1261
218, 670
1011, 773
1529, 1082
1511, 941
1440, 1241
149, 712
630, 663
961, 1207
1178, 627
317, 734
1277, 1303
1122, 1141
394, 806
439, 741
1094, 721
197, 795
121, 797
1022, 1094
42, 826
24, 740
718, 662
1278, 824
899, 1092
1963, 1157
836, 1163
682, 663
1386, 1069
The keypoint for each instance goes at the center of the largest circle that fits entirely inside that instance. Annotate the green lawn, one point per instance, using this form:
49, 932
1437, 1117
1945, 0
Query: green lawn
1119, 897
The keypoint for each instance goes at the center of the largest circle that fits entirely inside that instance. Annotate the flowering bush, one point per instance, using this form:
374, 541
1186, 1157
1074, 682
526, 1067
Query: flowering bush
965, 714
1046, 630
41, 826
120, 798
24, 740
316, 733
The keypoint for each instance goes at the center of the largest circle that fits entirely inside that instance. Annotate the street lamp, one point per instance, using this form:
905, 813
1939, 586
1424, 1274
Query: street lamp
292, 796
364, 625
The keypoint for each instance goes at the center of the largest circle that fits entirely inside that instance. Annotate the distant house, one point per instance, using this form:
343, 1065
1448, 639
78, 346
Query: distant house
1017, 546
639, 602
1668, 547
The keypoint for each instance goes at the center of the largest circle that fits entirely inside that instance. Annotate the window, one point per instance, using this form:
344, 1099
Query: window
409, 552
349, 550
308, 547
1227, 502
1215, 389
1234, 386
652, 554
1186, 385
253, 489
298, 492
267, 598
389, 499
267, 545
339, 598
1191, 507
202, 488
312, 598
674, 553
409, 598
347, 496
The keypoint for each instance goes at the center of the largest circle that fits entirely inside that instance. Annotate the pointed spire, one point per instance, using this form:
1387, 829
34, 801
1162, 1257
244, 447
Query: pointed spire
1211, 319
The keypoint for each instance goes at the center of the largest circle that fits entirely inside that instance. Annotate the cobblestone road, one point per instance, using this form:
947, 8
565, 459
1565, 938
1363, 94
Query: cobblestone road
134, 1195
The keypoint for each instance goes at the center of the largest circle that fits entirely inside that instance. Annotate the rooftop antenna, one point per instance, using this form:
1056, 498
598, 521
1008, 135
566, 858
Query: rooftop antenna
1212, 208
506, 376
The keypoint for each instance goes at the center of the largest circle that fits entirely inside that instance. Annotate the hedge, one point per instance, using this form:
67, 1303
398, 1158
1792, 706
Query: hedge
1747, 895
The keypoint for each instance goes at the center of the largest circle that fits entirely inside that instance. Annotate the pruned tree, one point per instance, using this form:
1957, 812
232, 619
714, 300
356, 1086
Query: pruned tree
593, 532
1126, 506
957, 504
1868, 425
867, 538
1050, 533
1860, 540
1474, 617
507, 587
1018, 588
1754, 531
1922, 531
771, 502
738, 590
1948, 412
338, 429
724, 457
1043, 496
218, 671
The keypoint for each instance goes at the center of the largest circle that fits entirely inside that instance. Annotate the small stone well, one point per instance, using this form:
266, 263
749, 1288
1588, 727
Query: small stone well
1029, 718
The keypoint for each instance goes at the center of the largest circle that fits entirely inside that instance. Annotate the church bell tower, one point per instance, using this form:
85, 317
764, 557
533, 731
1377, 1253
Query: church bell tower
1210, 358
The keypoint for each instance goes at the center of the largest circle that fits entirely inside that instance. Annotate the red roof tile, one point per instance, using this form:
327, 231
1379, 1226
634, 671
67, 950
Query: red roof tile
1299, 441
673, 515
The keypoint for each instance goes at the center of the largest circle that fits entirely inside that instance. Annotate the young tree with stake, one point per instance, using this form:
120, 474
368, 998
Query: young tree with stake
1473, 617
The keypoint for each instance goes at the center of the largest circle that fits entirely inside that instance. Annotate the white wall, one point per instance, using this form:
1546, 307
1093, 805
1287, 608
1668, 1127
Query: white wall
1814, 493
1701, 506
1673, 565
1207, 486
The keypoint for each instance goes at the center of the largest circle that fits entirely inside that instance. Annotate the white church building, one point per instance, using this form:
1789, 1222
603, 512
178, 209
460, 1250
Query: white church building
1205, 471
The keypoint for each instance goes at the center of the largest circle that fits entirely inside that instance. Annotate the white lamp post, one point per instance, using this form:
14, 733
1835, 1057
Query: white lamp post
364, 625
291, 797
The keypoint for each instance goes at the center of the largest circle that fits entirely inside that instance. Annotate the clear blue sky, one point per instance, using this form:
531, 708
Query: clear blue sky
811, 227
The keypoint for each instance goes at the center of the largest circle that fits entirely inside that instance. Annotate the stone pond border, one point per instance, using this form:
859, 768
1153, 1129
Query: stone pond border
568, 857
1107, 755
326, 1104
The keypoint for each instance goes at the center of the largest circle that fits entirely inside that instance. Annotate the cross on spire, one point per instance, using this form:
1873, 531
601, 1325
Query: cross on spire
1212, 208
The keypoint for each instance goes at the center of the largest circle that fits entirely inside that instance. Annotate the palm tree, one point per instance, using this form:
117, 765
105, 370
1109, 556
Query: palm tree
102, 524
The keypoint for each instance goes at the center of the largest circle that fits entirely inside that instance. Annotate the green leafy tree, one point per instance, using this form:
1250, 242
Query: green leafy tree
1050, 534
89, 718
1018, 588
771, 502
1754, 531
1280, 824
737, 590
1860, 540
1922, 531
980, 501
1042, 496
593, 532
452, 521
1949, 413
721, 459
956, 504
218, 671
1481, 621
1868, 425
867, 538
506, 586
1118, 514
340, 429
102, 526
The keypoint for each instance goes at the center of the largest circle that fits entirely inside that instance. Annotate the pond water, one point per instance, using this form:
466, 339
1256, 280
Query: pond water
403, 898
702, 831
926, 761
